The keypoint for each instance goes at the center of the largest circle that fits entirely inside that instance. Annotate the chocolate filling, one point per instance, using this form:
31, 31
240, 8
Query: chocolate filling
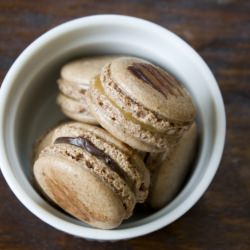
159, 80
92, 149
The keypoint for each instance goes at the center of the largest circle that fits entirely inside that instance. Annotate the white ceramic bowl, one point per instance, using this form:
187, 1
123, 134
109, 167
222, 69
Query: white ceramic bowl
27, 107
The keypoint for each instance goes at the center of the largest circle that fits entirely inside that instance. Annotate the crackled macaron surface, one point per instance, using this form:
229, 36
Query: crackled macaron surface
141, 104
74, 80
90, 174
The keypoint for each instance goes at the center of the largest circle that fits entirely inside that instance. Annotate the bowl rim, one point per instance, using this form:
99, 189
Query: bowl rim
120, 233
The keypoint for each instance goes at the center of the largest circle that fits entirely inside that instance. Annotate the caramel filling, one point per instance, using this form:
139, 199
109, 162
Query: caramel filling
97, 85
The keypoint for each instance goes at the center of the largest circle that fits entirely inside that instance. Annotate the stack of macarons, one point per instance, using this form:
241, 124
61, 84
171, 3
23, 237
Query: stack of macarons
74, 80
134, 124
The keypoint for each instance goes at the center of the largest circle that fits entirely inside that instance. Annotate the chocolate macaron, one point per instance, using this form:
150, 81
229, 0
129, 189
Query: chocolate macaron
140, 104
90, 174
74, 80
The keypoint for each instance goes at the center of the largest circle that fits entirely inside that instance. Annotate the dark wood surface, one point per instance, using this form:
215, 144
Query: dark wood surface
220, 32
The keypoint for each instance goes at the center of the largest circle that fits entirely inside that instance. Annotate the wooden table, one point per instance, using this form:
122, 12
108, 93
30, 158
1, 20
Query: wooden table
220, 32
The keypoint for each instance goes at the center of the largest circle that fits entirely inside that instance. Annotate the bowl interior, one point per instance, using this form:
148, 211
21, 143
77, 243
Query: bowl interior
31, 106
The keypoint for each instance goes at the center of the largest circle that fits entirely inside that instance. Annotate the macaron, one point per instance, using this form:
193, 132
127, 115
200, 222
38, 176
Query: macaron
74, 80
90, 174
141, 104
76, 110
170, 170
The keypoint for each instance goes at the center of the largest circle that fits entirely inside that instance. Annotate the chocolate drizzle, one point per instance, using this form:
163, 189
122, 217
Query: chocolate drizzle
92, 149
158, 79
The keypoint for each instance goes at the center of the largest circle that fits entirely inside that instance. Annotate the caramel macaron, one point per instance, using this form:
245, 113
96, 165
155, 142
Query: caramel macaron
74, 80
141, 104
90, 174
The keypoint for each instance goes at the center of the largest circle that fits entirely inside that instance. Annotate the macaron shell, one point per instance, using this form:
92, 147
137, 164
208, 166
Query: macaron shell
45, 140
73, 90
79, 192
71, 105
154, 159
82, 70
75, 110
142, 193
168, 176
176, 106
81, 117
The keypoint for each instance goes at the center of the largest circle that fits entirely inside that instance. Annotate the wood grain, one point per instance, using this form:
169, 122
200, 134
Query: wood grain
220, 32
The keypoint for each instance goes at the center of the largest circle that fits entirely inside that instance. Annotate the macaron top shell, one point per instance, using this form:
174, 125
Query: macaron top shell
82, 70
151, 87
